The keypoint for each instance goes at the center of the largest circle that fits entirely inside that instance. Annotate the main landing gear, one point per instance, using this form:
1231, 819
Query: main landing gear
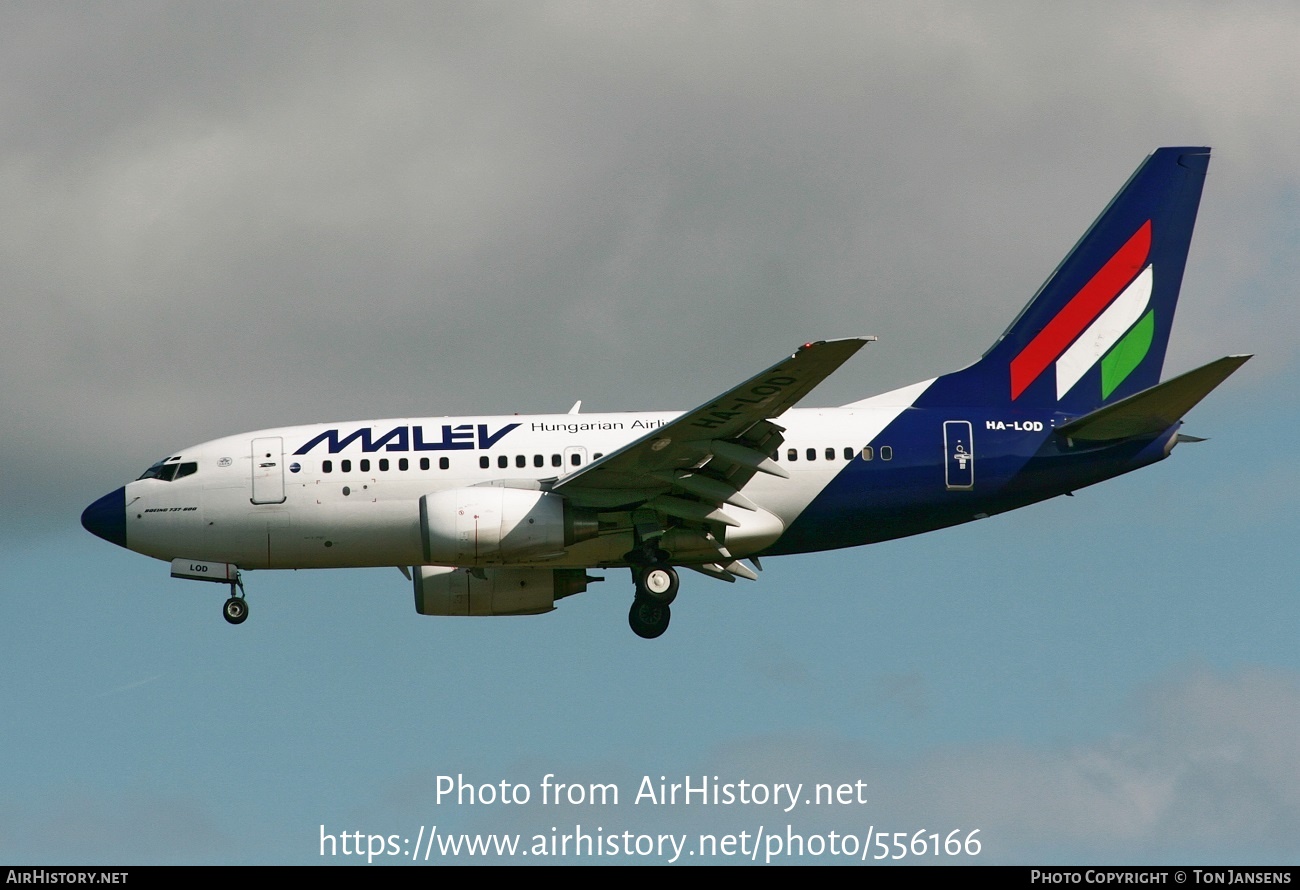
648, 620
656, 588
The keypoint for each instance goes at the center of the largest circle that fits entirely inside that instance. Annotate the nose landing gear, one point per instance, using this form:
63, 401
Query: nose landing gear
236, 608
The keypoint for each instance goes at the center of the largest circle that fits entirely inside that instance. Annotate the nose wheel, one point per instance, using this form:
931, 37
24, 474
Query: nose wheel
236, 610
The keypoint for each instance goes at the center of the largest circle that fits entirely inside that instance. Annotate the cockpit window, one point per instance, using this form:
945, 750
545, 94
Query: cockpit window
168, 469
157, 470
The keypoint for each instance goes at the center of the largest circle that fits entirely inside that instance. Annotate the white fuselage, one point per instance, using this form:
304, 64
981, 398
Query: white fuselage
347, 494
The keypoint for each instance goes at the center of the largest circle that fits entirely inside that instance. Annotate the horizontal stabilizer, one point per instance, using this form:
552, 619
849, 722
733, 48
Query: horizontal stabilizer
1154, 410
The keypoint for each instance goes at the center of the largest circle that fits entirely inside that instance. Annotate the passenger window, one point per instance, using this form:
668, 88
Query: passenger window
575, 459
848, 453
812, 453
503, 461
597, 456
886, 452
556, 461
443, 463
867, 452
345, 466
327, 466
424, 463
539, 460
792, 454
403, 464
383, 465
365, 466
830, 454
484, 463
521, 461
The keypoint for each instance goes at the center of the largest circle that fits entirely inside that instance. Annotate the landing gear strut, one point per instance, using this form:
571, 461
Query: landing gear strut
236, 608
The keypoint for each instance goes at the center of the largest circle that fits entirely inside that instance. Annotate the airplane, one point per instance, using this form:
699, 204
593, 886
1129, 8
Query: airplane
505, 515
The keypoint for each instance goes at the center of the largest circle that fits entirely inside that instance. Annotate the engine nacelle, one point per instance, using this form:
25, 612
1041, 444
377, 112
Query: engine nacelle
440, 590
491, 525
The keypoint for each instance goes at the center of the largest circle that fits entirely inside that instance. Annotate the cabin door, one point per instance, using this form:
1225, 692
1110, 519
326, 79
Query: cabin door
268, 470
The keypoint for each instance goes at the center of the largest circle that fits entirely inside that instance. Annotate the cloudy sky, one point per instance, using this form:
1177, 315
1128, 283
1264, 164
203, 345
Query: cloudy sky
222, 217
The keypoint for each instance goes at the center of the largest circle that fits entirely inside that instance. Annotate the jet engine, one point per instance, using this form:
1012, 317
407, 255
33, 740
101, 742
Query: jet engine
490, 525
440, 590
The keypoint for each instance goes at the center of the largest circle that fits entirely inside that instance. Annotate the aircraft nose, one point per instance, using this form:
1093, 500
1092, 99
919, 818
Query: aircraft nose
106, 518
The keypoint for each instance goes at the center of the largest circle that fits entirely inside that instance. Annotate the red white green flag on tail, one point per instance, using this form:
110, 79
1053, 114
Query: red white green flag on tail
1106, 321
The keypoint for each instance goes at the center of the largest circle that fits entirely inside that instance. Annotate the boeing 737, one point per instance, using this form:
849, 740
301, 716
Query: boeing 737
506, 515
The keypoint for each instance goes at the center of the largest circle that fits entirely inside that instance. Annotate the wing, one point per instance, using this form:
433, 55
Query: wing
690, 468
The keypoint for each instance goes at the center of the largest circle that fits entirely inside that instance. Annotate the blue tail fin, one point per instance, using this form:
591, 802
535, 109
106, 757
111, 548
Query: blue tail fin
1096, 331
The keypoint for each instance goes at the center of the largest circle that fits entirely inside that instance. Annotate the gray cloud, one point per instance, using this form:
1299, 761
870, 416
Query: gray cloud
222, 219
